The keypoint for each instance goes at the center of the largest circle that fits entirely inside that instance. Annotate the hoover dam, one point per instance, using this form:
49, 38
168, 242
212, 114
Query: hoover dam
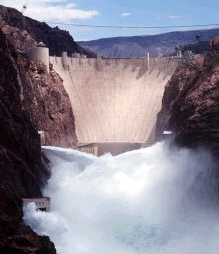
114, 100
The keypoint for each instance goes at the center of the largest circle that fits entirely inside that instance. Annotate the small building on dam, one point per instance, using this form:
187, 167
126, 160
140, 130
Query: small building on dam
42, 204
115, 101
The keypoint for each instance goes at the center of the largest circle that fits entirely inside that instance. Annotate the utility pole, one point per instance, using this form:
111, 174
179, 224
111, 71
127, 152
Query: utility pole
24, 8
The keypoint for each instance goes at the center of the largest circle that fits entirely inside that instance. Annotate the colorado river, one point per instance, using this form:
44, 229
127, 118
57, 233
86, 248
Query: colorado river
152, 200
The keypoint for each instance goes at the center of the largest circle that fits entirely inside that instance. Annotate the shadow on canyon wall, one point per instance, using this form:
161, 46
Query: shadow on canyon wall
190, 106
22, 169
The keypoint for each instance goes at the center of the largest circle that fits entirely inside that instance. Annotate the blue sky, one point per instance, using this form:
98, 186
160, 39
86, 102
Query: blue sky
120, 13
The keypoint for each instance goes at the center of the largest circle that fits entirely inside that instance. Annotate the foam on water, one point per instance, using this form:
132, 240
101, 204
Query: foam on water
139, 202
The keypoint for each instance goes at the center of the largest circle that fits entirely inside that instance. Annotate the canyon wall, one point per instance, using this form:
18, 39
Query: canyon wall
56, 39
190, 106
32, 99
22, 169
43, 94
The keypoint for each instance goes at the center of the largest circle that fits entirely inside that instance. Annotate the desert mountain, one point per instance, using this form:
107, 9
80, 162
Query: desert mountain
138, 46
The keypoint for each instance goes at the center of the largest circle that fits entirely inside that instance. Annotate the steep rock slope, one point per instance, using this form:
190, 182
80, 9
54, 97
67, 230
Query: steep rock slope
190, 106
57, 40
44, 96
48, 104
22, 169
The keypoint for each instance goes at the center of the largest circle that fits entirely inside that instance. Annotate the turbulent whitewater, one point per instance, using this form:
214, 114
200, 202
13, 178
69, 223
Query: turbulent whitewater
150, 200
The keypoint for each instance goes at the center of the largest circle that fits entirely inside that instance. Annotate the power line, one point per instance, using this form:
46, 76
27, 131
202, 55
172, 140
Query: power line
130, 27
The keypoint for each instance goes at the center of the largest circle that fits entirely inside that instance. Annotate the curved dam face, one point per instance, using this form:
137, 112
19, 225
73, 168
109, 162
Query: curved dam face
115, 100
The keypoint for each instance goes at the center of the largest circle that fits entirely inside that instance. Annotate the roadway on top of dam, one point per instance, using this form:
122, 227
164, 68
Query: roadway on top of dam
115, 100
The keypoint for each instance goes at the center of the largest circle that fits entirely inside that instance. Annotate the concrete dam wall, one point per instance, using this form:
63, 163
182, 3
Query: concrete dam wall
115, 100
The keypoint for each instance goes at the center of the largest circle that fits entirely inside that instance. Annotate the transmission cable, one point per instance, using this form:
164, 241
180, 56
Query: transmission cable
129, 27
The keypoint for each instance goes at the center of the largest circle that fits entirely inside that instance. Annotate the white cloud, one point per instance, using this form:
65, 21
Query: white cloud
125, 14
44, 10
174, 17
59, 13
70, 6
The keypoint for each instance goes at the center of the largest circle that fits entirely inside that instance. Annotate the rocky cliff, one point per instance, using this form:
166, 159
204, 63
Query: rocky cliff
22, 170
43, 94
48, 104
57, 40
31, 99
190, 106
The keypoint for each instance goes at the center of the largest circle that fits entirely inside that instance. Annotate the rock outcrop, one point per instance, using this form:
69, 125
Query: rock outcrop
47, 103
190, 105
31, 99
43, 94
22, 170
57, 40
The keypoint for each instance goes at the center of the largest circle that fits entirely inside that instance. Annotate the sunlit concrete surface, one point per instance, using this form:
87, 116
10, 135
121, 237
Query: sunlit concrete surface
114, 100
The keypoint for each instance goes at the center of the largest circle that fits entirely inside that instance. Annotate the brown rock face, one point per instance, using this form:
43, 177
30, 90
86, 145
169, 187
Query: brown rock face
191, 103
31, 99
20, 39
57, 40
44, 96
22, 170
47, 103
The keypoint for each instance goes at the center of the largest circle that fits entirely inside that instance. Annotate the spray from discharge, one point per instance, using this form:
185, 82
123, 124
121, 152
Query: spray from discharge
150, 200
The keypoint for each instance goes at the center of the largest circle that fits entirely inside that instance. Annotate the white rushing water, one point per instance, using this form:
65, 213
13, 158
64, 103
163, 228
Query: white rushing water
153, 200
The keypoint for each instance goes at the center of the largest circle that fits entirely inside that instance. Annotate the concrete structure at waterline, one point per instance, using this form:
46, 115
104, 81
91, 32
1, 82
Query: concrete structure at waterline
42, 204
115, 101
42, 138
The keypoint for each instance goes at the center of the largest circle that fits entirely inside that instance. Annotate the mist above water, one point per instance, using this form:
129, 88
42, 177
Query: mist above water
152, 200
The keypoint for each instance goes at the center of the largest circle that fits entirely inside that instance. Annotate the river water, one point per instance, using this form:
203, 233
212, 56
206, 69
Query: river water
153, 200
